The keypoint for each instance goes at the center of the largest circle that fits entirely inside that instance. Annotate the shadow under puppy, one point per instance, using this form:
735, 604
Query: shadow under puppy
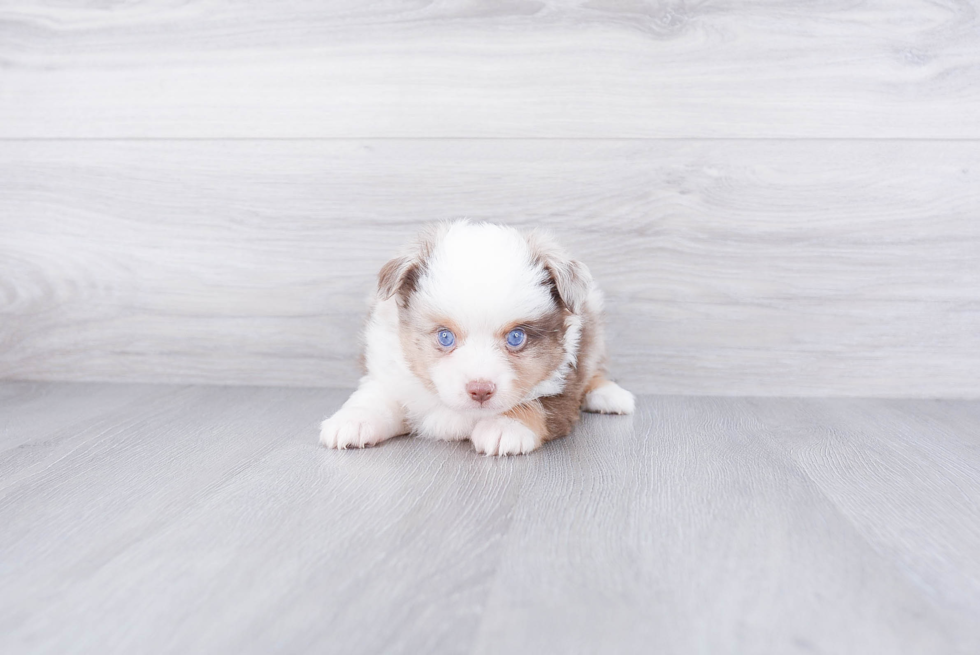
483, 333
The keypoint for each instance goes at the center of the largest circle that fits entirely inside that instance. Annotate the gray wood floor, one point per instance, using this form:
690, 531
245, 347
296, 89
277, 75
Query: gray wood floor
207, 519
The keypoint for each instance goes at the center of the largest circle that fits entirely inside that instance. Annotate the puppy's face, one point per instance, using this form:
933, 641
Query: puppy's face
488, 365
481, 320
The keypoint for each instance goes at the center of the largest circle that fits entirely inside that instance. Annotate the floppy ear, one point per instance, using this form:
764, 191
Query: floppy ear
392, 275
401, 275
570, 279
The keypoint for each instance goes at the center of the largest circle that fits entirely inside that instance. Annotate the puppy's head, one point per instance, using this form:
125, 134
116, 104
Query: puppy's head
488, 317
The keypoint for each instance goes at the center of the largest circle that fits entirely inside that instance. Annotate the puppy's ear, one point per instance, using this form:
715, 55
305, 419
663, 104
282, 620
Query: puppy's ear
401, 275
570, 279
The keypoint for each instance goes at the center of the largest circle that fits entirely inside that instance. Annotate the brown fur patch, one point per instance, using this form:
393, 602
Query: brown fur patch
401, 275
389, 277
415, 332
597, 381
543, 352
532, 415
568, 280
563, 411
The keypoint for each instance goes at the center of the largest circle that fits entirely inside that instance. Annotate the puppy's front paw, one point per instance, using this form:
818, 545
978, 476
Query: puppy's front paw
609, 398
503, 436
354, 428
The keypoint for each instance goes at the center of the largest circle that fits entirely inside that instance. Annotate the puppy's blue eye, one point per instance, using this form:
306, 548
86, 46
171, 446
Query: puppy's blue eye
446, 338
515, 338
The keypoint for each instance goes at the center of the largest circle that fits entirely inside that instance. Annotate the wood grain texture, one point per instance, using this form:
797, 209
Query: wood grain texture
522, 68
208, 519
730, 267
685, 530
211, 520
32, 402
924, 513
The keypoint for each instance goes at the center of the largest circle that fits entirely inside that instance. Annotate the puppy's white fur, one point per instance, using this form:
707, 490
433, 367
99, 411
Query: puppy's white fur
480, 281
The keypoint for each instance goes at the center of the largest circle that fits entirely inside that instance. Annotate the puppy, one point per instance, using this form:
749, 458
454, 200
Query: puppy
480, 332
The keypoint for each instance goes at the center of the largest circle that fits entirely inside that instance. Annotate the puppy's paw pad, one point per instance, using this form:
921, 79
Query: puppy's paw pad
504, 436
610, 398
353, 429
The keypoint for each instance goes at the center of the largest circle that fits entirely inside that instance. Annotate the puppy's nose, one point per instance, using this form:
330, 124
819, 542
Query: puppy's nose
480, 390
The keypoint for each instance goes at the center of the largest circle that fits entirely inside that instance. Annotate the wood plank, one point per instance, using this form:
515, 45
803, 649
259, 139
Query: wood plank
212, 520
209, 519
683, 530
730, 267
27, 418
906, 475
895, 68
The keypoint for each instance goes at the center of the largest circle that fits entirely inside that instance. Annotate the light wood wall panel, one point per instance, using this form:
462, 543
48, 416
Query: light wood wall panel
731, 267
522, 68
